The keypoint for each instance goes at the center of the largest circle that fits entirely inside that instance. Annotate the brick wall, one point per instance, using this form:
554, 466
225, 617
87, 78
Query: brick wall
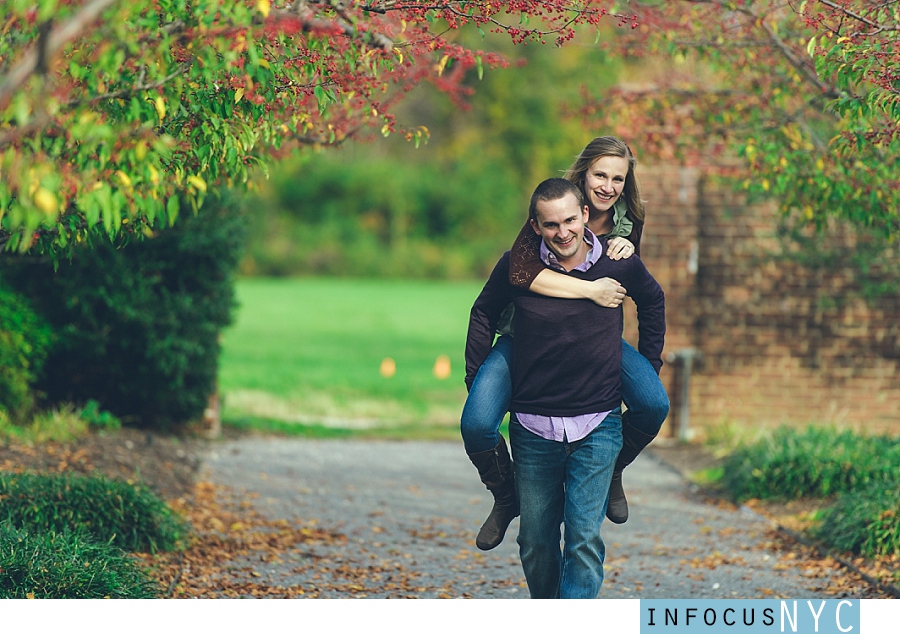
780, 342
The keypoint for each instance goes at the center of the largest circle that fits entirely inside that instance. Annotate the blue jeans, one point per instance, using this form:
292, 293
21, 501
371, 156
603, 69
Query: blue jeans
564, 483
488, 401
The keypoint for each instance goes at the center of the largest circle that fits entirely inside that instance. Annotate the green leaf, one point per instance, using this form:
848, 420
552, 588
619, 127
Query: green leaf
172, 208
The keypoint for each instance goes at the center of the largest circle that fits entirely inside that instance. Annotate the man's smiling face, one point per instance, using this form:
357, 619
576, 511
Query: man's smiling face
561, 223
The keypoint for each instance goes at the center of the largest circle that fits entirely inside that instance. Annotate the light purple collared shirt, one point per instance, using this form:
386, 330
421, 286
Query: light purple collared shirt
569, 428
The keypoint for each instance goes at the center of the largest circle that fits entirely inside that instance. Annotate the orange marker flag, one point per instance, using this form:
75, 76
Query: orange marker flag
442, 367
388, 368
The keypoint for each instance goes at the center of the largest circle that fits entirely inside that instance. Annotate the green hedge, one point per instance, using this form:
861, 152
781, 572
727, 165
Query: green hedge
128, 516
24, 342
816, 462
867, 523
67, 565
858, 475
339, 214
138, 325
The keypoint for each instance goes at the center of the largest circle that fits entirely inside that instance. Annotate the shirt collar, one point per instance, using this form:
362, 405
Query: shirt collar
596, 250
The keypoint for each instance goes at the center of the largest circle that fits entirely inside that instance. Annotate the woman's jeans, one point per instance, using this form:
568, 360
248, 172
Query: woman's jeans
488, 401
564, 483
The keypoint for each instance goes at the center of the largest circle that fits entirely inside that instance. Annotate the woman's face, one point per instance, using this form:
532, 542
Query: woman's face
604, 182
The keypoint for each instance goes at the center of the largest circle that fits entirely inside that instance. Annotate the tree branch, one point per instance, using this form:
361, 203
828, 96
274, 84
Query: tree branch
309, 23
47, 46
17, 132
860, 18
788, 53
140, 86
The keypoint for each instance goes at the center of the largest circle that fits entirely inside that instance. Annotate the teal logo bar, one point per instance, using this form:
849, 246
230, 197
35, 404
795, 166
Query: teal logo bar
752, 616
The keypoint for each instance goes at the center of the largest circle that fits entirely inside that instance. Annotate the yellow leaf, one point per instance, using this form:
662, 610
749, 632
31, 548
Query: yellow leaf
263, 6
160, 105
123, 178
238, 94
197, 182
154, 175
765, 185
263, 62
442, 64
46, 201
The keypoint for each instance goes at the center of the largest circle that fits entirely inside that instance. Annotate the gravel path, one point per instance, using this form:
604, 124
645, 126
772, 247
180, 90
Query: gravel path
410, 512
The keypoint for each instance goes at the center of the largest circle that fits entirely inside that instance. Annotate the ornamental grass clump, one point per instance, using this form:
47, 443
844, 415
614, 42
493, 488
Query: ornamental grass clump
125, 515
867, 523
67, 565
816, 462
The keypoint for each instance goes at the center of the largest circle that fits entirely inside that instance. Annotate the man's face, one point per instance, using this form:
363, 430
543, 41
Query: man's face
561, 223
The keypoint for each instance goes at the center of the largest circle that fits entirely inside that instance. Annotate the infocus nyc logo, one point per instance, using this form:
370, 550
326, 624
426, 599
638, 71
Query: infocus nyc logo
797, 616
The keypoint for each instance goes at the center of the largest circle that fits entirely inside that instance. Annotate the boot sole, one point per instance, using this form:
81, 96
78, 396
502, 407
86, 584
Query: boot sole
615, 519
483, 545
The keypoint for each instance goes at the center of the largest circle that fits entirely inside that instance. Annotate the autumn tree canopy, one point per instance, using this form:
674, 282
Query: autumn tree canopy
807, 92
112, 113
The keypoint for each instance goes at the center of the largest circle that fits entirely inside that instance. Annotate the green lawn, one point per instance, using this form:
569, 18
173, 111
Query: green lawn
306, 352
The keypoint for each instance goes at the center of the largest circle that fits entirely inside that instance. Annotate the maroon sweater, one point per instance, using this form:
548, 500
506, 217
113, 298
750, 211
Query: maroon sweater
567, 353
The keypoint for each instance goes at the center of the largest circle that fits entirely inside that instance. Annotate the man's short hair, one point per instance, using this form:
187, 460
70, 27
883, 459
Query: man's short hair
553, 189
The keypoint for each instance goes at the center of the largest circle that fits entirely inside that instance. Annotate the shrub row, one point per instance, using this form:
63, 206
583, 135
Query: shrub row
339, 214
860, 474
24, 340
125, 515
815, 462
137, 325
868, 523
66, 536
67, 565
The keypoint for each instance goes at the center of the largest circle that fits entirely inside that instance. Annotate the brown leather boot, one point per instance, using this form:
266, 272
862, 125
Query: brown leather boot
496, 471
